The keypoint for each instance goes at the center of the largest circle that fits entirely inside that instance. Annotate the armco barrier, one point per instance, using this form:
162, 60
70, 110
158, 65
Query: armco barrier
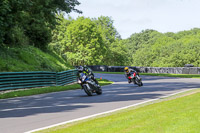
172, 70
66, 77
18, 80
102, 68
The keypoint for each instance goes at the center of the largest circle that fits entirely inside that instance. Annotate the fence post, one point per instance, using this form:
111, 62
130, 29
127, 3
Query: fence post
56, 78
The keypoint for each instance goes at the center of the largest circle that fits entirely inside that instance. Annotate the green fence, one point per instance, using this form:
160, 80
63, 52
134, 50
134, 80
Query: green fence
18, 80
66, 77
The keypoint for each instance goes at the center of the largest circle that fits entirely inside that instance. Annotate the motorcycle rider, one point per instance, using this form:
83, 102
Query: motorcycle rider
128, 73
88, 72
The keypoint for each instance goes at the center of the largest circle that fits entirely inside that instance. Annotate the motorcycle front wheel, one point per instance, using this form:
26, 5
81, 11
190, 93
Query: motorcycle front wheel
139, 82
87, 91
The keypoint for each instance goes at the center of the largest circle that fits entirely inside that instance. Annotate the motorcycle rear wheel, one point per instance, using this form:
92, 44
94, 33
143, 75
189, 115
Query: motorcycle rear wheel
140, 84
99, 91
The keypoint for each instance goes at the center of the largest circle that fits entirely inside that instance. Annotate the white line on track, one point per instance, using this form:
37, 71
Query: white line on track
90, 116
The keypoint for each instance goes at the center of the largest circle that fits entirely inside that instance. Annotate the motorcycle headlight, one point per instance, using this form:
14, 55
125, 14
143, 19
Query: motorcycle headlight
83, 78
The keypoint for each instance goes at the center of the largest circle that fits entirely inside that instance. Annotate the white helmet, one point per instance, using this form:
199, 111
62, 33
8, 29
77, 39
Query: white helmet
80, 68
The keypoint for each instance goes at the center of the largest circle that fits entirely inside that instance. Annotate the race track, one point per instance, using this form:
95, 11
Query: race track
18, 115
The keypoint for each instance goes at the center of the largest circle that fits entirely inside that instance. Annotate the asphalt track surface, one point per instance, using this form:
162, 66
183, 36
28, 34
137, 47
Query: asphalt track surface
18, 115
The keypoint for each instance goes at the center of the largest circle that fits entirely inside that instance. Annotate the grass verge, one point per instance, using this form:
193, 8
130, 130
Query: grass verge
174, 115
29, 58
35, 91
172, 75
160, 74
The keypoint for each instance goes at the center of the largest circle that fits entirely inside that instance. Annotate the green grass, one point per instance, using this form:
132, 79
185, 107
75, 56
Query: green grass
181, 115
103, 82
173, 75
160, 74
36, 91
29, 58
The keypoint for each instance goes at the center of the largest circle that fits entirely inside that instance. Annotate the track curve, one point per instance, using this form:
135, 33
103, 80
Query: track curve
19, 115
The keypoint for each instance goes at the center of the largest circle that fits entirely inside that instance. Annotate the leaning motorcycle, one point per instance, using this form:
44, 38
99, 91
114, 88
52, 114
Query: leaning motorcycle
89, 85
135, 78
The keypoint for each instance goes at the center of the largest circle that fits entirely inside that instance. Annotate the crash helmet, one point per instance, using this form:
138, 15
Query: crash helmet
85, 68
80, 68
126, 69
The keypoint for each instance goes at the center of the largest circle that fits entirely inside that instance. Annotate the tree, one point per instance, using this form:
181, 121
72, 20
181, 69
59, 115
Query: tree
118, 54
154, 49
33, 19
83, 43
59, 39
106, 27
87, 41
11, 12
43, 19
109, 34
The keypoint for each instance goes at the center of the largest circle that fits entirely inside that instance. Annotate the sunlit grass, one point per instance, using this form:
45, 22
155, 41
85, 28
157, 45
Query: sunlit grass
29, 58
103, 82
173, 75
181, 115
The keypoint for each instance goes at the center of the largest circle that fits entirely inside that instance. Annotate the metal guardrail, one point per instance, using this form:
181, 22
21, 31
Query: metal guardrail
172, 70
19, 80
66, 77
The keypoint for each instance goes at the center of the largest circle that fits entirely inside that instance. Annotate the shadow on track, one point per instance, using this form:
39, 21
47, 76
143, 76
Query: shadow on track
72, 100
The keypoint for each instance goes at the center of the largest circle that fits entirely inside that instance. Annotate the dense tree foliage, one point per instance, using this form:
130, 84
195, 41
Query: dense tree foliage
110, 38
88, 41
92, 41
30, 21
151, 48
97, 42
118, 54
84, 44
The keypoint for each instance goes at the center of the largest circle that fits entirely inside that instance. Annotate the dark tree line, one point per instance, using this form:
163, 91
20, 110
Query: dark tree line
31, 21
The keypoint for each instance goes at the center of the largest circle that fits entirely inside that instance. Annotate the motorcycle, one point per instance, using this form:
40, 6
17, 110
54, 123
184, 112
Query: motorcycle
89, 85
135, 78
